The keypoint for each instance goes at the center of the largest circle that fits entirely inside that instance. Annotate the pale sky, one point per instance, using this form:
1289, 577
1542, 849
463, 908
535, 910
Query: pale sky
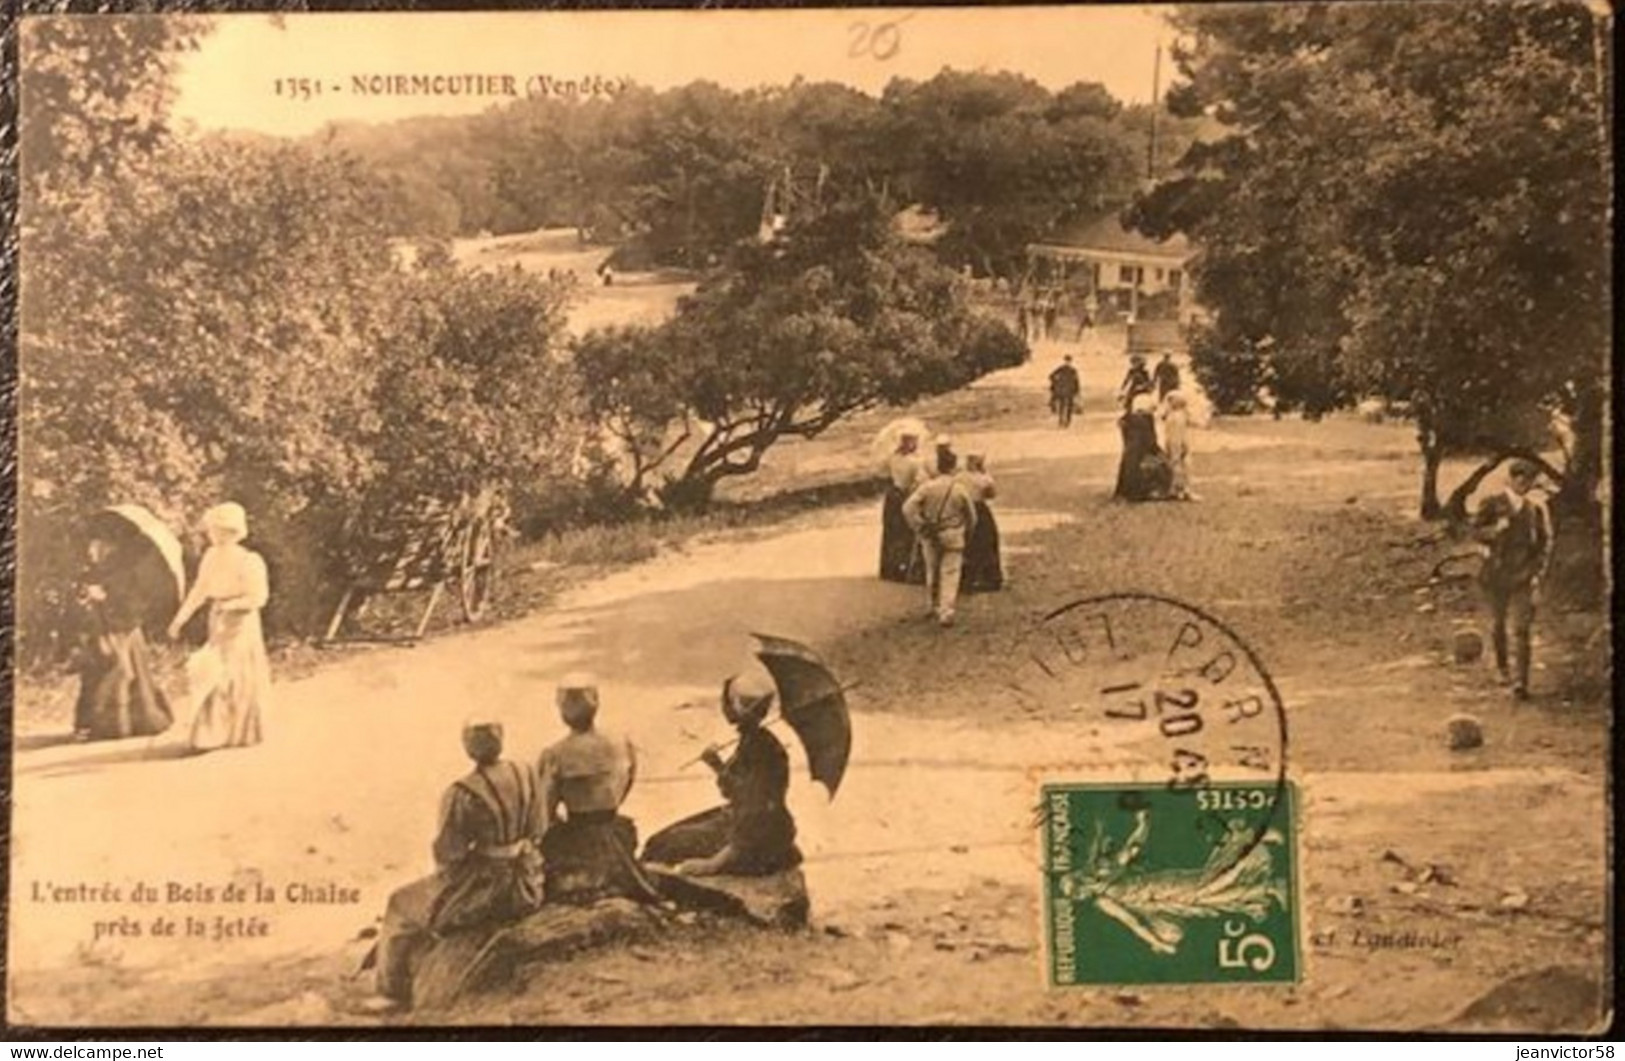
232, 82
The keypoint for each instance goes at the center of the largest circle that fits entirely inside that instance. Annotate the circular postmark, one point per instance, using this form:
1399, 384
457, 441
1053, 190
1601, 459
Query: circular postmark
1172, 696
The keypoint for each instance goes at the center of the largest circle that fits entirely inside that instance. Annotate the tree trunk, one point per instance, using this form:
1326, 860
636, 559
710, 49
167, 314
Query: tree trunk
1583, 476
1432, 457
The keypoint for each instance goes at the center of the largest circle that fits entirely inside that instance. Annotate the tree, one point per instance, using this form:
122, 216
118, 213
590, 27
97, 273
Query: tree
97, 91
1002, 161
1409, 203
786, 340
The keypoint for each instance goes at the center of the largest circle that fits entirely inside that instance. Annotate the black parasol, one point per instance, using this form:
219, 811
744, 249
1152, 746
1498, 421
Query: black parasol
813, 703
149, 553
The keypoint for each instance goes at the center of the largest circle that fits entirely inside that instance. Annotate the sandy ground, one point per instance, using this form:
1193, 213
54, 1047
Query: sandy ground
923, 872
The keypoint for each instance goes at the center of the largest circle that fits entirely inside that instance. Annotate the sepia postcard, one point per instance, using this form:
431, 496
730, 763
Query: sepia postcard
1064, 517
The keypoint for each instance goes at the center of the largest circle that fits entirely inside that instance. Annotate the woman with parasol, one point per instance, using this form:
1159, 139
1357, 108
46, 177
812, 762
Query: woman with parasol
232, 581
133, 572
906, 469
754, 834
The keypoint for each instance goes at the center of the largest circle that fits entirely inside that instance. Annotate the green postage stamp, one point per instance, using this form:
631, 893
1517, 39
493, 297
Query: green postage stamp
1158, 885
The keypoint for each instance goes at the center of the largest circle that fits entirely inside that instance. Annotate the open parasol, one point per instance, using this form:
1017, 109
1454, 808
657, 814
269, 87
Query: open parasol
813, 703
885, 443
154, 556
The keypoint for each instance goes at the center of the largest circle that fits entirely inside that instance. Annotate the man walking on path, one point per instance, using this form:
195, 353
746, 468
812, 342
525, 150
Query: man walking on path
1064, 386
1166, 376
1518, 530
943, 515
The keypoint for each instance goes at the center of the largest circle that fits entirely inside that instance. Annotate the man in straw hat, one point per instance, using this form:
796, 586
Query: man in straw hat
488, 871
588, 845
1518, 531
943, 515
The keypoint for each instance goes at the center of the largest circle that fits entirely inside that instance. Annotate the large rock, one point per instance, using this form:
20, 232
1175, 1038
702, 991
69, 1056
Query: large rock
1467, 646
1558, 1000
471, 960
1464, 732
777, 901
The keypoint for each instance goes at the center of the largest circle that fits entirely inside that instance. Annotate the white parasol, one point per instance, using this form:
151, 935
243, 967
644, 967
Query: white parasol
885, 443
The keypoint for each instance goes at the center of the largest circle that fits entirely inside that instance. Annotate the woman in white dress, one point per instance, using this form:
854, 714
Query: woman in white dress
232, 581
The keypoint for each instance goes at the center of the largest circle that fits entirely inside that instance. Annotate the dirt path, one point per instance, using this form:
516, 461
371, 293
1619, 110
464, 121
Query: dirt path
925, 866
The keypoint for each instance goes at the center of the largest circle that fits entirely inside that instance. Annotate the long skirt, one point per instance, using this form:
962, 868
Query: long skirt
478, 893
590, 856
117, 696
1142, 473
229, 715
984, 569
896, 538
764, 842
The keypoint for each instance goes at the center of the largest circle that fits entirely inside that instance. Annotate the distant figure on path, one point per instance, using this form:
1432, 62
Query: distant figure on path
906, 469
1517, 528
1064, 387
984, 570
117, 695
1136, 381
488, 871
588, 846
1166, 376
232, 581
944, 516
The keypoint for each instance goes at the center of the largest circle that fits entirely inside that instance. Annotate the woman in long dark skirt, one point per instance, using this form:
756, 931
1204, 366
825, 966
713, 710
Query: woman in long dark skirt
906, 469
1142, 471
983, 571
117, 694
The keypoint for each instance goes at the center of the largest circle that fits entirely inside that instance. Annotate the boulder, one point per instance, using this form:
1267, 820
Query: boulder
1464, 732
776, 901
1467, 646
1558, 1000
470, 960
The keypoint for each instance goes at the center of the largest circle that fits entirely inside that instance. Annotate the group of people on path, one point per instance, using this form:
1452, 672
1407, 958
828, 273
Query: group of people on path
937, 525
1153, 468
514, 836
228, 679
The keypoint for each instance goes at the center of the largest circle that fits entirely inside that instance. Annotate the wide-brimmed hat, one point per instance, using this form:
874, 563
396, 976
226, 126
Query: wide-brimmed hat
229, 517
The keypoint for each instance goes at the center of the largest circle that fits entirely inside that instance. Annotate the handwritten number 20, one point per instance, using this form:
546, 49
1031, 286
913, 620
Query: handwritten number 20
880, 41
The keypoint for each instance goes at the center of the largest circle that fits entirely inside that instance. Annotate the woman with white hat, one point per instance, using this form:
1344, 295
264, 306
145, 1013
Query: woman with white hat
232, 581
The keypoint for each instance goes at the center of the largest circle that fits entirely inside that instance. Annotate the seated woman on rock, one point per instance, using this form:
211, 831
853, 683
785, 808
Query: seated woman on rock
753, 835
488, 872
588, 845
